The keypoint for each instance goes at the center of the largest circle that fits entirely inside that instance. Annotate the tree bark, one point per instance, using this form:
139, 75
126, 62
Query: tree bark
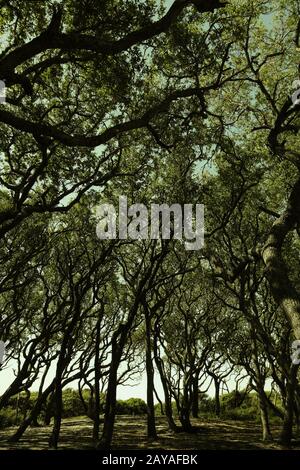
97, 383
287, 427
217, 397
276, 270
185, 406
264, 417
168, 402
58, 407
151, 427
49, 411
110, 403
195, 403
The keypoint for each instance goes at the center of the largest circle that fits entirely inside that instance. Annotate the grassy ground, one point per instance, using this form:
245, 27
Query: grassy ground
130, 433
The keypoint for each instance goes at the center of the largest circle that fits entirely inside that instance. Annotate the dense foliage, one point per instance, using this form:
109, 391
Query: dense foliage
187, 102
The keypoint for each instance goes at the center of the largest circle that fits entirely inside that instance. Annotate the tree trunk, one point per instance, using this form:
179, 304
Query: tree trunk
297, 412
217, 397
264, 417
110, 405
161, 405
151, 427
33, 414
282, 288
118, 343
48, 411
96, 426
168, 402
259, 380
58, 405
16, 386
195, 403
184, 411
287, 428
184, 416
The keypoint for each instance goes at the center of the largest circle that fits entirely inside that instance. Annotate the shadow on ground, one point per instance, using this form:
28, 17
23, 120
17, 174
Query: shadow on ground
130, 433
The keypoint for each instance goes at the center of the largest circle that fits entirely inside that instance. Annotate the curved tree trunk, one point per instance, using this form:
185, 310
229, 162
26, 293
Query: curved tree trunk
151, 427
110, 404
264, 417
287, 427
48, 411
58, 407
96, 425
276, 270
168, 402
33, 414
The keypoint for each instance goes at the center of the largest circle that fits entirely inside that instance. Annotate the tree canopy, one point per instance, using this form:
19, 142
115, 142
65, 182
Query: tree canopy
189, 102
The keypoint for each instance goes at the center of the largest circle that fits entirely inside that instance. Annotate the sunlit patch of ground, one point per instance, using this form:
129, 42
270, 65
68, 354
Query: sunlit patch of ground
130, 433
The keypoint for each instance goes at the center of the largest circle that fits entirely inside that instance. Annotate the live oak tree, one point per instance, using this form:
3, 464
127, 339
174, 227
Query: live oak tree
190, 103
62, 110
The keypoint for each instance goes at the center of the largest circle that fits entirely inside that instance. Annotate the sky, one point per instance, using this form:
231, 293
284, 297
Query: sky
136, 390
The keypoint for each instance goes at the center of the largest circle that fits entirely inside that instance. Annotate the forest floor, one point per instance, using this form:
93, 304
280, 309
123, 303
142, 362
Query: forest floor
130, 433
